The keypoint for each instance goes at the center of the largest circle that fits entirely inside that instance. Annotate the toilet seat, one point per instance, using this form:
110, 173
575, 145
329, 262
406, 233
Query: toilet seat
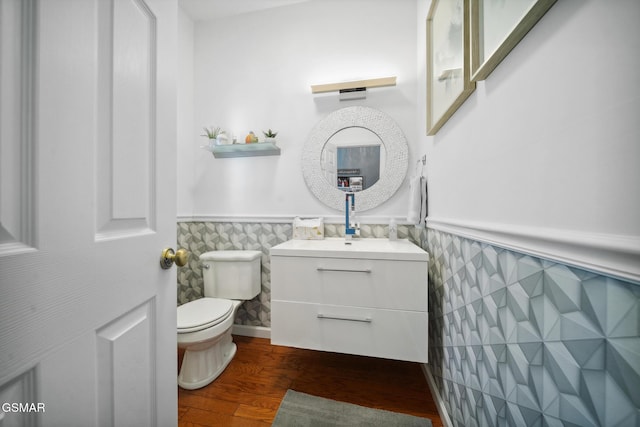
203, 313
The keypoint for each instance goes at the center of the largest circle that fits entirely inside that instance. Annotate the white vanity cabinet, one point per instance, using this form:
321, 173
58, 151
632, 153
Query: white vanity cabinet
368, 297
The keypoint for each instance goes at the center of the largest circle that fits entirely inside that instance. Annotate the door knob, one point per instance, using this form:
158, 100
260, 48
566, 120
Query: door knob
168, 257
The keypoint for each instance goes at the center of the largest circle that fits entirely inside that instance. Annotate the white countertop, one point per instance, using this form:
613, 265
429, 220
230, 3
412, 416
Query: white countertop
336, 247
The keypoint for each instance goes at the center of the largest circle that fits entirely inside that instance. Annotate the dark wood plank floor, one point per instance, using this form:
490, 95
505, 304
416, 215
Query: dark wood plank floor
249, 391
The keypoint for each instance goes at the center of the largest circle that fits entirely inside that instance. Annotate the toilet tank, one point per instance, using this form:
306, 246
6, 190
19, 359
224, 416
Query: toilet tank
231, 274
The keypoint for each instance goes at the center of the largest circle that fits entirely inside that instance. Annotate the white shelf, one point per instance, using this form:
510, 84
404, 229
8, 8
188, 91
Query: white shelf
244, 150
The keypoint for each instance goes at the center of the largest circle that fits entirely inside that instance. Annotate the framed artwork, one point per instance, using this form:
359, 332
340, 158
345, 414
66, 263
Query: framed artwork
448, 61
497, 26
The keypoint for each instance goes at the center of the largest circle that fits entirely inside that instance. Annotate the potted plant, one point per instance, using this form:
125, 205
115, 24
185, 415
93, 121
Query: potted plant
216, 135
270, 136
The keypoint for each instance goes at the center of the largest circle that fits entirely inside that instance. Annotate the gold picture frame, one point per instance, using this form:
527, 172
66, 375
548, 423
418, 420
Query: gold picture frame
497, 27
448, 60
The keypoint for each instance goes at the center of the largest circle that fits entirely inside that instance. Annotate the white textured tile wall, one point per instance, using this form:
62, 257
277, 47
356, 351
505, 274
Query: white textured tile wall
520, 341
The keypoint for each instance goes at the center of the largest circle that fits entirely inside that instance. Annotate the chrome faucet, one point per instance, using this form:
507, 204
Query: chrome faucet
351, 227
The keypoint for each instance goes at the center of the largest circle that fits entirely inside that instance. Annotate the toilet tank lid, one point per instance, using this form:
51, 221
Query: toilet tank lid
238, 255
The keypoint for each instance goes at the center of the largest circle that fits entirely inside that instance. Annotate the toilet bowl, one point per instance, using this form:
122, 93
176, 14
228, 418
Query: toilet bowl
208, 345
204, 325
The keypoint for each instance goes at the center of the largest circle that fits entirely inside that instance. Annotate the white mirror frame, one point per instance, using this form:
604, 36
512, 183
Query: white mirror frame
395, 168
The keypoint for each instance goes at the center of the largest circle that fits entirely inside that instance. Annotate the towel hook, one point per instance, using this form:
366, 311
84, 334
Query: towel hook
424, 162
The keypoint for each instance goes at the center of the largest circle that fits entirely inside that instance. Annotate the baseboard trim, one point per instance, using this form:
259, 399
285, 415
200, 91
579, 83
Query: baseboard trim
435, 393
252, 331
608, 254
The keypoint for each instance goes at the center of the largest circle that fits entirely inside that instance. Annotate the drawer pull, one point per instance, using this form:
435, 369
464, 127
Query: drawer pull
346, 270
349, 318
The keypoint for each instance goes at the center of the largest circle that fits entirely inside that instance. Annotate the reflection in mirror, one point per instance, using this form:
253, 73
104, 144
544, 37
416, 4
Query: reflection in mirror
353, 159
317, 155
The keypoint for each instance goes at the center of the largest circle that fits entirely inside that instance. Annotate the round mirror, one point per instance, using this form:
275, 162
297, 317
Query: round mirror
347, 128
353, 159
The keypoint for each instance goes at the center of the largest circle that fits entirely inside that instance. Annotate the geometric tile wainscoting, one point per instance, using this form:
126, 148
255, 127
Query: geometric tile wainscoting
200, 237
519, 341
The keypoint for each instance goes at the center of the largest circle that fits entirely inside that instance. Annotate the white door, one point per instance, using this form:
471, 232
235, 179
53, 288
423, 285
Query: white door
87, 203
329, 164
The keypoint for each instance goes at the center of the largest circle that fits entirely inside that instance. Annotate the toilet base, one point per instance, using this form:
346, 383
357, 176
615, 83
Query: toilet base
204, 362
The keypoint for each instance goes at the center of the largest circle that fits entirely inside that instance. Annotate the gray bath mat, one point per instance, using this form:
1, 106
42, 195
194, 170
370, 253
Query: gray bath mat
300, 409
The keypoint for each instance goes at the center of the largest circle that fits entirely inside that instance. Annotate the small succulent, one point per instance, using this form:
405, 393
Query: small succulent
270, 133
213, 133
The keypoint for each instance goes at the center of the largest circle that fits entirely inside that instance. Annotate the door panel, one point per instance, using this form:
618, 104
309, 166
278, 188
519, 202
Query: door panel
127, 89
87, 316
17, 227
20, 389
125, 356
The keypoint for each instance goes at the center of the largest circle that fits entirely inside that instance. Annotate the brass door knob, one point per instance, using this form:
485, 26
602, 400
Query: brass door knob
168, 257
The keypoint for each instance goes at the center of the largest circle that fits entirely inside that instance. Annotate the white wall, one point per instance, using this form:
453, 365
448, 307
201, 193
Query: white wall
548, 146
254, 71
551, 138
185, 124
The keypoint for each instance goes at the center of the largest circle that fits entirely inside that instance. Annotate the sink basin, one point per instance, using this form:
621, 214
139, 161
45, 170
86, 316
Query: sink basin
338, 247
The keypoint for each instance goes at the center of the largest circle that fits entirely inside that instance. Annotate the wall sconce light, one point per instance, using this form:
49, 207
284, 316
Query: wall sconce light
356, 89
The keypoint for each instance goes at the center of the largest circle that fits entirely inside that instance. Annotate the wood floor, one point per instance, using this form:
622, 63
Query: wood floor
249, 391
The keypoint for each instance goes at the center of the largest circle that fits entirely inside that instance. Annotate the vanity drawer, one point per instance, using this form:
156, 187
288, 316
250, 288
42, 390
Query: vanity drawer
390, 284
392, 334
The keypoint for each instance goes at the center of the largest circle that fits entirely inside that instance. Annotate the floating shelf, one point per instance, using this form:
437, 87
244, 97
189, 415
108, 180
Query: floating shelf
244, 150
356, 84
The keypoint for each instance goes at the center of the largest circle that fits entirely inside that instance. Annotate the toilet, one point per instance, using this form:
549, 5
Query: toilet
204, 325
